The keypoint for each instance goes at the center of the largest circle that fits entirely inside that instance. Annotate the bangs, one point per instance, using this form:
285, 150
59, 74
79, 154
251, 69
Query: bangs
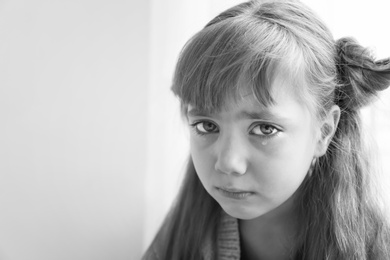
232, 59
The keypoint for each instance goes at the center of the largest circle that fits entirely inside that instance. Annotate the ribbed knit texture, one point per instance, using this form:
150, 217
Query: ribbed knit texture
228, 239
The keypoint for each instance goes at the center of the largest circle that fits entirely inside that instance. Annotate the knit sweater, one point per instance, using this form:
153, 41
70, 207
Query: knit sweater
228, 239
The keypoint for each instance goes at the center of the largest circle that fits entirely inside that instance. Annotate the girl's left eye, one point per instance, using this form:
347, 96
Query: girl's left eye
264, 130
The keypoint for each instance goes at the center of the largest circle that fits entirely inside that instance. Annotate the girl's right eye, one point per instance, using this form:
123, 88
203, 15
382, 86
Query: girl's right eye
205, 127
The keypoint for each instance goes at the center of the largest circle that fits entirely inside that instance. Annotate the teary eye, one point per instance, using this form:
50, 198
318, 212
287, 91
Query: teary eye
264, 130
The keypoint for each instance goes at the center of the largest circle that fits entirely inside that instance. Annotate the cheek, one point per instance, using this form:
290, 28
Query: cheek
202, 159
285, 163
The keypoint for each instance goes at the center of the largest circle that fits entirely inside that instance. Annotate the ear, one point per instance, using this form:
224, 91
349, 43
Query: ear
327, 129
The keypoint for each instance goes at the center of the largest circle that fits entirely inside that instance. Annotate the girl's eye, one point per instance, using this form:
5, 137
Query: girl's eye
205, 127
264, 130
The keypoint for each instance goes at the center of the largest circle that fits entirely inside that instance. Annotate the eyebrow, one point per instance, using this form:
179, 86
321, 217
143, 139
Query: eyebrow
196, 112
264, 114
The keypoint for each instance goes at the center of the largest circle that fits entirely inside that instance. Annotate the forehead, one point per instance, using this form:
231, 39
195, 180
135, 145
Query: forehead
281, 93
286, 106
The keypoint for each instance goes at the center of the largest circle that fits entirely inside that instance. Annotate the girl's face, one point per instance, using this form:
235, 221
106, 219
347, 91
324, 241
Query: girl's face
252, 159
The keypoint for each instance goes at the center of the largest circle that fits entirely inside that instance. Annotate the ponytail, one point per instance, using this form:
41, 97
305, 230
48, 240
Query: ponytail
360, 76
339, 207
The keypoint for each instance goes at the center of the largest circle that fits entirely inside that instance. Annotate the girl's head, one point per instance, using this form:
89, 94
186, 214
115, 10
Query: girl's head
263, 86
256, 84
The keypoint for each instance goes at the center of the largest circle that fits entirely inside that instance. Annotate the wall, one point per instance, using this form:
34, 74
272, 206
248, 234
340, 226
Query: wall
73, 89
92, 145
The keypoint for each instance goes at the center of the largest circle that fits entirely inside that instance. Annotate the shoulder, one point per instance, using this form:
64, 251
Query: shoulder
227, 246
150, 254
157, 248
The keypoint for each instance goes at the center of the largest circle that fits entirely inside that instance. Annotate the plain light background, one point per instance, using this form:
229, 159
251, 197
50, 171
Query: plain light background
92, 146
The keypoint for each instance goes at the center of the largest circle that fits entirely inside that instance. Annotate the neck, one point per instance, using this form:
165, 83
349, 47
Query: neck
270, 236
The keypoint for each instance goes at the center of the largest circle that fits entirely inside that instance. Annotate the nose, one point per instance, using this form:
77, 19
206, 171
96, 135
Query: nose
232, 154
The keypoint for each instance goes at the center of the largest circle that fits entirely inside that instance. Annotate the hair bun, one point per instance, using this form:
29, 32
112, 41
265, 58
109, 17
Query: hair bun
360, 76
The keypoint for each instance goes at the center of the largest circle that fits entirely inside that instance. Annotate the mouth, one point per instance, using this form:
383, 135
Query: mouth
234, 193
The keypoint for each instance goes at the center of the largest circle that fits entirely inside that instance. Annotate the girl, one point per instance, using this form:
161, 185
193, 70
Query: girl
277, 169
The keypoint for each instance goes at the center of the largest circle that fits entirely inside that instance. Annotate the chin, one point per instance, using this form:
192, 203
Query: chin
243, 212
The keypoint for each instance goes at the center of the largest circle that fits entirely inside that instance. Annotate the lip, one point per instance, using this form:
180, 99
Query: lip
234, 193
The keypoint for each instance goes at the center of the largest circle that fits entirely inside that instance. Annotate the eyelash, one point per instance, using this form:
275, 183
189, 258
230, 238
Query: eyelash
275, 131
195, 124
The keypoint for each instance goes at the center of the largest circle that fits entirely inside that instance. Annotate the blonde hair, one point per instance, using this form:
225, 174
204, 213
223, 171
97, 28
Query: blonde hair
247, 45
